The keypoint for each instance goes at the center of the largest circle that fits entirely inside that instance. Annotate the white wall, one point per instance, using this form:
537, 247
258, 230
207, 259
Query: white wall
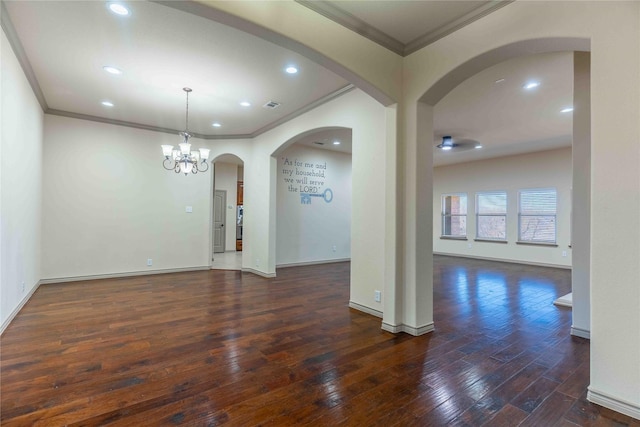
308, 232
227, 179
20, 186
109, 205
544, 169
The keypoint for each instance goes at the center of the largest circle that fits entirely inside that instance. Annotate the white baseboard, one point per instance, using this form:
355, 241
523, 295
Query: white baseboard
565, 300
324, 261
120, 275
259, 273
602, 399
15, 312
579, 332
510, 261
411, 330
394, 329
365, 309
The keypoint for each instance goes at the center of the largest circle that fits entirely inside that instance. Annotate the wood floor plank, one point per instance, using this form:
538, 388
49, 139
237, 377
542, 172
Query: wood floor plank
223, 347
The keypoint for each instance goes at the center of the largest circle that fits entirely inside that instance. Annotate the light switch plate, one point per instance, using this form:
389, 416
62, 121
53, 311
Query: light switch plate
189, 209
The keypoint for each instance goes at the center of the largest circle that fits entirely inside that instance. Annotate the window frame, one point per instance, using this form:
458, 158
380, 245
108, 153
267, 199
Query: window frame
504, 215
539, 214
444, 215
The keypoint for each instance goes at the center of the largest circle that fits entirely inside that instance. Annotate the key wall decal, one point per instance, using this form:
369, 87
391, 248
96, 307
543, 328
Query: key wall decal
327, 195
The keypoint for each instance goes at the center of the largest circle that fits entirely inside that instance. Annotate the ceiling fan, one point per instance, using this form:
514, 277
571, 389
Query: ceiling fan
448, 144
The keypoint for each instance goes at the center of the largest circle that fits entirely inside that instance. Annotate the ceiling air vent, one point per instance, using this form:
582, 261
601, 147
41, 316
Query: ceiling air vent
271, 105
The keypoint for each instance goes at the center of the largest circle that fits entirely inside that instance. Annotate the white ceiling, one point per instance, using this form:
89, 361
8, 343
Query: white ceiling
505, 118
161, 50
325, 139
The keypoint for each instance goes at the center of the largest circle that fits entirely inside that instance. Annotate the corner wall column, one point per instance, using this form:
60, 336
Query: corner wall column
418, 219
392, 301
581, 196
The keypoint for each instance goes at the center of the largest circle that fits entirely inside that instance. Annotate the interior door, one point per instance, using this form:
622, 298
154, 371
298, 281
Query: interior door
219, 204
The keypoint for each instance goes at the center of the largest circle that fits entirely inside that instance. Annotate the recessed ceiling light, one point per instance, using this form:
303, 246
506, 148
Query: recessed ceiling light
291, 69
107, 103
478, 146
112, 70
500, 80
336, 142
531, 85
245, 104
567, 110
446, 148
118, 9
216, 125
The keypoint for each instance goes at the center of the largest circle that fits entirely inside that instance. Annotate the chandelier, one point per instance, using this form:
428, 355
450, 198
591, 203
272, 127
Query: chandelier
183, 159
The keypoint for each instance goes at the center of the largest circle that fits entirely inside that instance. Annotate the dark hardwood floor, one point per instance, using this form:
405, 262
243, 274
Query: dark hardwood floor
221, 347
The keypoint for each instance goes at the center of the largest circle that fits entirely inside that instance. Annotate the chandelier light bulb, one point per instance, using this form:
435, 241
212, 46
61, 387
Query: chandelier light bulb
167, 150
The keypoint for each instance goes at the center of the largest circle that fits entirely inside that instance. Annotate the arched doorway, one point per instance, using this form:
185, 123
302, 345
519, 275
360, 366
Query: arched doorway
313, 201
419, 158
227, 212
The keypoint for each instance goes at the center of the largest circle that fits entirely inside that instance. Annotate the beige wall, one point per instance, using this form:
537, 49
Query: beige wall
20, 186
546, 169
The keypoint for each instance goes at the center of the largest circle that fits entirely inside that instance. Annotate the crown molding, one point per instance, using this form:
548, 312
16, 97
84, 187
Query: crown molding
125, 123
335, 13
306, 108
18, 50
353, 23
254, 134
454, 25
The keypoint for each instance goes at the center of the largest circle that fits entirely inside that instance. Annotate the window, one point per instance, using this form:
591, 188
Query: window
537, 215
454, 215
491, 215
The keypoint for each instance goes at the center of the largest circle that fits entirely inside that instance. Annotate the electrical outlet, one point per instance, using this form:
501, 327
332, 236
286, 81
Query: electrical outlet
257, 262
188, 209
564, 253
149, 262
333, 248
377, 296
469, 245
22, 288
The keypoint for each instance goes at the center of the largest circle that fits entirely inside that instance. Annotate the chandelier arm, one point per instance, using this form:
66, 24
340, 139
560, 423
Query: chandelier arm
205, 163
164, 164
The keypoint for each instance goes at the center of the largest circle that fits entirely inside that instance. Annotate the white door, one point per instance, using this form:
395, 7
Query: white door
219, 204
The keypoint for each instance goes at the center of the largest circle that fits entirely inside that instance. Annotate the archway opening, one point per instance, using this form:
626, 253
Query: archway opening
313, 198
425, 142
227, 219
